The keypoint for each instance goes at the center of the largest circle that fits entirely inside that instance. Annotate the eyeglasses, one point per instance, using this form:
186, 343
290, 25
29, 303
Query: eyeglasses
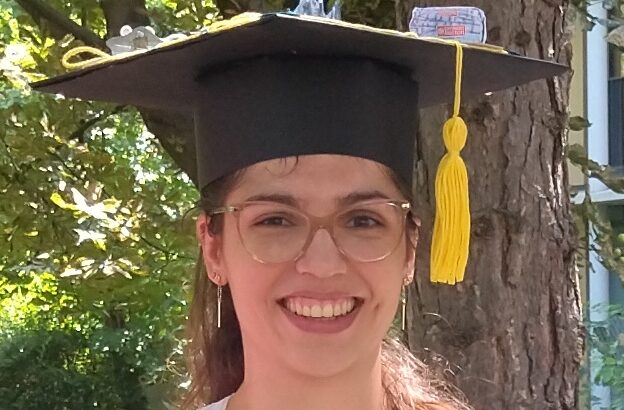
275, 233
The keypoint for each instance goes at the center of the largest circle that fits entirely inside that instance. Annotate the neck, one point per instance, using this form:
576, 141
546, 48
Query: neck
269, 386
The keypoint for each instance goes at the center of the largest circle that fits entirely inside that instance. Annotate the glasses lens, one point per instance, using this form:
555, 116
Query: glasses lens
272, 232
369, 232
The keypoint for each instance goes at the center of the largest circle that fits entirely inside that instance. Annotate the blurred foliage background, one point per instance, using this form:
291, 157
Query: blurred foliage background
96, 224
97, 250
98, 246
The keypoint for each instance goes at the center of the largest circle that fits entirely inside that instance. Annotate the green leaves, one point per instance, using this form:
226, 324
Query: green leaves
577, 154
578, 123
607, 338
171, 16
97, 257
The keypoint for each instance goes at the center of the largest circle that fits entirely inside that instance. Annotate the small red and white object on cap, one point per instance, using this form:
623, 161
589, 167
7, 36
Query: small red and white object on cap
465, 24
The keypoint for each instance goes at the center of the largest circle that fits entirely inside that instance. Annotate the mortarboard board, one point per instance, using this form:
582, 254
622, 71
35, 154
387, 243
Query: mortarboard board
276, 85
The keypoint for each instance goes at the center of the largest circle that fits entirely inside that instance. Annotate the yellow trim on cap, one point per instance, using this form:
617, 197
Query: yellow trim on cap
409, 34
101, 57
99, 54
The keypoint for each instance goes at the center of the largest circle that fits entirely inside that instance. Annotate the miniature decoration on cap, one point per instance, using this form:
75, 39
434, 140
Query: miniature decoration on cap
141, 39
138, 39
264, 67
465, 24
317, 8
133, 39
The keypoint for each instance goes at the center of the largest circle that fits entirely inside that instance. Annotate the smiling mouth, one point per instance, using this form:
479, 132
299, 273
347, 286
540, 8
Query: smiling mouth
320, 309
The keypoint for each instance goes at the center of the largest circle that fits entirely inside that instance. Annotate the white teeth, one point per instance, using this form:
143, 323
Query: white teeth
307, 308
328, 311
316, 311
337, 309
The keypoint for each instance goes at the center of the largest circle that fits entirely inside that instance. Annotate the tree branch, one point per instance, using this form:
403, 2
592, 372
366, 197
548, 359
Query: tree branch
40, 10
119, 13
176, 134
79, 133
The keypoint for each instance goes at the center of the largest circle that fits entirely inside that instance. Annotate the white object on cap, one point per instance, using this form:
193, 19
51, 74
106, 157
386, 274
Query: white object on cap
465, 24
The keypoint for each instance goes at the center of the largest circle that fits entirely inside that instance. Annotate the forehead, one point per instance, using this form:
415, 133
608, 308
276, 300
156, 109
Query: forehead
323, 176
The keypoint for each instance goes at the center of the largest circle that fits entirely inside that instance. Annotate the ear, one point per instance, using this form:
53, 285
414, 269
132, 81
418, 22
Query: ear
412, 242
409, 266
210, 247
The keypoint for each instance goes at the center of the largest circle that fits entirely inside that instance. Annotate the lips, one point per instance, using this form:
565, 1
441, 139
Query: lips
319, 308
312, 308
321, 316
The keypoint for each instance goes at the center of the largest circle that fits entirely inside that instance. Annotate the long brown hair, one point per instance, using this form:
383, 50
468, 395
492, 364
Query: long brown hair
215, 355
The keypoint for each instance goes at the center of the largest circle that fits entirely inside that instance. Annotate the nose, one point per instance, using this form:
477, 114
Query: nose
321, 258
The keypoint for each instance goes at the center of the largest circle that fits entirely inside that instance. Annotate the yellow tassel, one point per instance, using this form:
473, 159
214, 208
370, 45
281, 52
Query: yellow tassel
451, 229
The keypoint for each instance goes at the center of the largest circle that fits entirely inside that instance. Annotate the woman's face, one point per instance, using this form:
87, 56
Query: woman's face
321, 281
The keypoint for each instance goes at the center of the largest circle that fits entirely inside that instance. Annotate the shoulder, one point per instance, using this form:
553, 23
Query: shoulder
220, 405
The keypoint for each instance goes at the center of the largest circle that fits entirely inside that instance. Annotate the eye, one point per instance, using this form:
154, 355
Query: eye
277, 219
362, 221
274, 221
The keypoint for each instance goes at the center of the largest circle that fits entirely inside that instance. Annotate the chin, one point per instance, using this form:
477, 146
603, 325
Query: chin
322, 366
319, 362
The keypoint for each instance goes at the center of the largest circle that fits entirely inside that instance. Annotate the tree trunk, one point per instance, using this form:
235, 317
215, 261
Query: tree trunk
512, 327
119, 13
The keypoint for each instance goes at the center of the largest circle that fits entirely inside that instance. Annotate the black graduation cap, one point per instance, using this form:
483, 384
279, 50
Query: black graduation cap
276, 85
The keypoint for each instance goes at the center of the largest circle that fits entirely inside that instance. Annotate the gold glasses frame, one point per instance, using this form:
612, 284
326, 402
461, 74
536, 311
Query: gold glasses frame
315, 223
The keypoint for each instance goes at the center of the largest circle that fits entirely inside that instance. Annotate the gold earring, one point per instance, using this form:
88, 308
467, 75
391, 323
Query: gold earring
219, 297
217, 278
403, 307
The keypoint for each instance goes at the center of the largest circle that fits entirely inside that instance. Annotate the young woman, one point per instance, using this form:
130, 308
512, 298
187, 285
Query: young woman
304, 133
311, 269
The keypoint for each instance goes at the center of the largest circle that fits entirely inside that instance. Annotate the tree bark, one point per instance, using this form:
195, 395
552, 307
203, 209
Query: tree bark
119, 13
512, 327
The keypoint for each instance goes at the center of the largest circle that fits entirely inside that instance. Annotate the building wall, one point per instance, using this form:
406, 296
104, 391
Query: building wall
577, 100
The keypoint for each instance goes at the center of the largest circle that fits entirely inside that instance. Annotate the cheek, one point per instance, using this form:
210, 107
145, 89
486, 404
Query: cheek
386, 278
250, 281
387, 288
251, 294
231, 242
236, 260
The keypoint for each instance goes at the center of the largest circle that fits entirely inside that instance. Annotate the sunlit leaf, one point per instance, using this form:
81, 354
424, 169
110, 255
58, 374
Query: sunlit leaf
578, 123
69, 272
60, 202
84, 235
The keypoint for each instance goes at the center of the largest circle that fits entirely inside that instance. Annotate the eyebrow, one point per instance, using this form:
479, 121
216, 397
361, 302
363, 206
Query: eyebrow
279, 198
360, 196
350, 199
